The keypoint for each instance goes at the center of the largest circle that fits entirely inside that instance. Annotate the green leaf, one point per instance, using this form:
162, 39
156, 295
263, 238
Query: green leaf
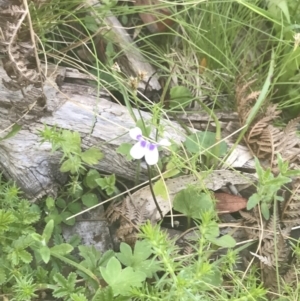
37, 237
62, 249
45, 253
253, 201
50, 203
92, 156
15, 129
120, 280
91, 24
225, 241
107, 183
60, 203
91, 257
265, 211
48, 231
159, 188
65, 286
279, 181
124, 149
25, 256
6, 218
104, 294
90, 178
201, 141
171, 170
138, 259
211, 230
278, 6
65, 215
191, 202
71, 142
180, 97
2, 276
90, 199
78, 297
72, 165
75, 207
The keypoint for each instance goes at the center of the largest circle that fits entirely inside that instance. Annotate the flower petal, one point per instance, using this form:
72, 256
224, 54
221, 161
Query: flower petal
151, 155
164, 142
138, 151
135, 133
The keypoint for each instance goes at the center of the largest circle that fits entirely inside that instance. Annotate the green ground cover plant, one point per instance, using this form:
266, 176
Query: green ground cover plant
204, 50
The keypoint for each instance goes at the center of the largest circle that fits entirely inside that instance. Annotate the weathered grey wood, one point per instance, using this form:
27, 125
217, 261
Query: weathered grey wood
100, 122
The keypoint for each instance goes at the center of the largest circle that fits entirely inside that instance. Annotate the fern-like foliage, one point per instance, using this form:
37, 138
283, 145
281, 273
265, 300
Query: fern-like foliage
129, 218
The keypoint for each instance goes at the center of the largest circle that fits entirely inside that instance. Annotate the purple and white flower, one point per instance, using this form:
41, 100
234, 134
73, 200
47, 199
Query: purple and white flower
145, 148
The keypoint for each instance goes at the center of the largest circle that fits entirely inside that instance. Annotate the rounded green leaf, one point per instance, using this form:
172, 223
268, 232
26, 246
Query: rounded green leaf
89, 199
75, 207
65, 215
60, 203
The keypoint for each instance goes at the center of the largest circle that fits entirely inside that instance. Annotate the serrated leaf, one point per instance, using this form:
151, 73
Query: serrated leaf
92, 156
72, 165
104, 294
78, 297
25, 256
114, 276
71, 142
75, 240
90, 178
2, 276
62, 249
66, 166
47, 233
89, 199
6, 218
124, 149
45, 253
225, 241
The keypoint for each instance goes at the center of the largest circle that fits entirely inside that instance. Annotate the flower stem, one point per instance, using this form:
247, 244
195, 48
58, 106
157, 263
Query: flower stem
152, 192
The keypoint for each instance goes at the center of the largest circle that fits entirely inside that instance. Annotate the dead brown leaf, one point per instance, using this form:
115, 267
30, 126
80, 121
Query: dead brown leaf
227, 203
156, 19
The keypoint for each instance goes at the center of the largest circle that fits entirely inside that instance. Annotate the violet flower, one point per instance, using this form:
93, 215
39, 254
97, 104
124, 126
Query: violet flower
145, 148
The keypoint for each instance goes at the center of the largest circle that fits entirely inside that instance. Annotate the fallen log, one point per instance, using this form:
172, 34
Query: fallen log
72, 106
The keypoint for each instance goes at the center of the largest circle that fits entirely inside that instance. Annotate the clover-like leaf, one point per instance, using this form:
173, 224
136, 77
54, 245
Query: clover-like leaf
121, 280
